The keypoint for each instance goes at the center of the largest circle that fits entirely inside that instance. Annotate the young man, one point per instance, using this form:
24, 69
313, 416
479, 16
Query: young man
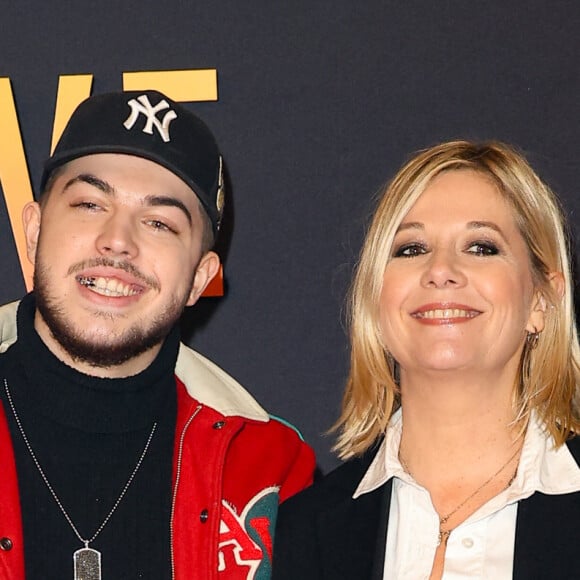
123, 453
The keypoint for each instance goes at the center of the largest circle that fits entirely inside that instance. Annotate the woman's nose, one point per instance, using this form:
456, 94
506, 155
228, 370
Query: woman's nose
443, 270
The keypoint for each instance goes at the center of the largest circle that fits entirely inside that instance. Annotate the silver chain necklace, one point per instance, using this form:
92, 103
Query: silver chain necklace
443, 535
86, 561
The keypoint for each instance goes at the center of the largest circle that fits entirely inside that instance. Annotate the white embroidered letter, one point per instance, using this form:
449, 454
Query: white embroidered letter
142, 106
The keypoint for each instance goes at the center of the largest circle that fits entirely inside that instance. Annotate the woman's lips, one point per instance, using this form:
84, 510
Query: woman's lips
438, 313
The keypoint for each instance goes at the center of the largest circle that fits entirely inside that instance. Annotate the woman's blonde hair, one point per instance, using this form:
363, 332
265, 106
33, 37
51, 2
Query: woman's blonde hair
549, 372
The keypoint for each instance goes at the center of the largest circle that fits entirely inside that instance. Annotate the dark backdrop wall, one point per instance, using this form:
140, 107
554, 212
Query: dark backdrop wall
319, 103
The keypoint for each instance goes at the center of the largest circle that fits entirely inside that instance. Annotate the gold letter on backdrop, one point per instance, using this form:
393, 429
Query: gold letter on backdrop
14, 173
72, 89
180, 85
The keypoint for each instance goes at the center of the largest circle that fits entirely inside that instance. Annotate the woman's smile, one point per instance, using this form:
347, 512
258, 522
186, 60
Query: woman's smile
444, 313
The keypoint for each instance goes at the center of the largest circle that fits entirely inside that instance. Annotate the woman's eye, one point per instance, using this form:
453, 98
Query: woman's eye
483, 249
409, 250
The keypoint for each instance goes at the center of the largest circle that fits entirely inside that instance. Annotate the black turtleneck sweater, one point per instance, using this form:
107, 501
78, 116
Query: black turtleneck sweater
88, 434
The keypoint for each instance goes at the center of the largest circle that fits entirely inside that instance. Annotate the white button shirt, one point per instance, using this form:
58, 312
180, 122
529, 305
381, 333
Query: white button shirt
483, 545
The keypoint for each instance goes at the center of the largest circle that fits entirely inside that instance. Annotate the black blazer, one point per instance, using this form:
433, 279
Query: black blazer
323, 534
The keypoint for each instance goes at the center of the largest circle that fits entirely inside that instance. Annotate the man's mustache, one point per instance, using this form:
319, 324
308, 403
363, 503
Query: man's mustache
103, 261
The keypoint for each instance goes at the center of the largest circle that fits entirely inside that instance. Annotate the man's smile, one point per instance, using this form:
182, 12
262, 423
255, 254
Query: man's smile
109, 286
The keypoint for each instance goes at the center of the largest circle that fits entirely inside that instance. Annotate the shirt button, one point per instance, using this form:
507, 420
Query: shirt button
5, 544
467, 542
219, 424
203, 516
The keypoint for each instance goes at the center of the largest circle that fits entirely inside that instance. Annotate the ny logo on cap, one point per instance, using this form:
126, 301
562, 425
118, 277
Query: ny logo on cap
142, 106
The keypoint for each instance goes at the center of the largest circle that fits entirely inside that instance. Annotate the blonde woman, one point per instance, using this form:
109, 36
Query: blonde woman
458, 424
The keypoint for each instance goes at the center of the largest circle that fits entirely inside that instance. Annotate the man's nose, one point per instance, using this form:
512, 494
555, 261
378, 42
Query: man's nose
118, 237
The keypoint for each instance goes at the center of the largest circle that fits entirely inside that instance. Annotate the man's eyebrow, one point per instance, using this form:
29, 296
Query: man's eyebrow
167, 200
100, 184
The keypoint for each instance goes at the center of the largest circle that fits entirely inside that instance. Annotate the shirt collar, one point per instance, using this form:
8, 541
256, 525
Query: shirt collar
386, 463
542, 467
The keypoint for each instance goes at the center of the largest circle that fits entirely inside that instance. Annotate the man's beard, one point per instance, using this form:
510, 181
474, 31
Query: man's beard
101, 353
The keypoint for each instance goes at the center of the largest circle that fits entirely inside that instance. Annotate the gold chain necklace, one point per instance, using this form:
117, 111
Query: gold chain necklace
443, 535
86, 561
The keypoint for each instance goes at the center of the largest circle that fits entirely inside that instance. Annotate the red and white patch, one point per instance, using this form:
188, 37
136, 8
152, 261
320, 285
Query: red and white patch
245, 540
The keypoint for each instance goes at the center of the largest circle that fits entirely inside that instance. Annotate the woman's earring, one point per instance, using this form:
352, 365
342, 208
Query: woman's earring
532, 339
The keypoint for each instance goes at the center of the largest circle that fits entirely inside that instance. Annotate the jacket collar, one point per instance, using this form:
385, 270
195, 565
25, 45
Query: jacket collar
204, 380
212, 386
8, 332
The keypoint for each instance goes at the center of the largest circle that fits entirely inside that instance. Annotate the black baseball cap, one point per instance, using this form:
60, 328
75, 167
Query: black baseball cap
146, 124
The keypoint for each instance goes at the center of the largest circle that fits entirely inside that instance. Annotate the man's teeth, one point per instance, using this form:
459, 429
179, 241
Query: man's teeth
447, 313
107, 286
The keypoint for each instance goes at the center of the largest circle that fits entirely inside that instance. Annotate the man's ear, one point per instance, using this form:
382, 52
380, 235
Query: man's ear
537, 318
31, 218
207, 268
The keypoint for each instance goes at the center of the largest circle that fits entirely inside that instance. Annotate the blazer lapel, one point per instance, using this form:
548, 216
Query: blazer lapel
355, 547
547, 536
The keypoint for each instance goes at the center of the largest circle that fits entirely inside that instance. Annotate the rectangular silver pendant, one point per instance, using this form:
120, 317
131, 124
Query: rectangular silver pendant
87, 564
